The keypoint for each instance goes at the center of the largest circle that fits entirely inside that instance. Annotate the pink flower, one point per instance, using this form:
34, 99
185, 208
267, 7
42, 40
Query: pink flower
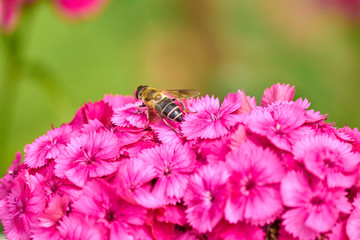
134, 183
50, 219
10, 11
239, 231
353, 223
23, 205
247, 103
79, 8
205, 197
88, 156
173, 165
76, 226
118, 100
314, 208
211, 121
328, 158
238, 172
99, 110
118, 217
130, 116
280, 123
47, 147
54, 186
7, 182
254, 194
277, 92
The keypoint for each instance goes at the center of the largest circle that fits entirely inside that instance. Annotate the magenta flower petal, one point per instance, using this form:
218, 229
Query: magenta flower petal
130, 115
277, 92
205, 197
253, 185
88, 156
23, 205
117, 215
76, 226
239, 231
9, 14
281, 123
118, 101
79, 8
294, 224
314, 208
353, 223
173, 165
210, 121
327, 157
47, 147
134, 179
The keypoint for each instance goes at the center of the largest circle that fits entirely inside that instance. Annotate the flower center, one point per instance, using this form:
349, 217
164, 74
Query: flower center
330, 159
110, 216
167, 171
317, 200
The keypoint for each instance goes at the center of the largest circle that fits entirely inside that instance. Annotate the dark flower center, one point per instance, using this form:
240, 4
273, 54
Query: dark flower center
110, 216
167, 171
250, 184
317, 200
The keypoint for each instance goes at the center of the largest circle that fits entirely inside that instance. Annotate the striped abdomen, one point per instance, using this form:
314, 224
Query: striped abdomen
169, 109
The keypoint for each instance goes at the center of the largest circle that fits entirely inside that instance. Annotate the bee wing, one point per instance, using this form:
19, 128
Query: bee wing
182, 93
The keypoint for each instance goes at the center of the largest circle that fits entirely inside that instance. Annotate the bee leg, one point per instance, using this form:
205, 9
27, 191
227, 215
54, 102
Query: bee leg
182, 105
140, 106
171, 127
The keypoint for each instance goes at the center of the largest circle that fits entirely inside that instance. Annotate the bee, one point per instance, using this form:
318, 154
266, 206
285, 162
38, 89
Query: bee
162, 101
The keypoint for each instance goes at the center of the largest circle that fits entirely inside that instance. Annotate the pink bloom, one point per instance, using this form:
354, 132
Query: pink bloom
278, 92
247, 103
205, 197
49, 220
130, 116
166, 134
99, 110
172, 214
79, 8
7, 182
100, 201
118, 100
134, 183
254, 194
314, 208
144, 141
47, 147
353, 223
88, 156
76, 226
9, 14
173, 165
54, 186
354, 136
328, 158
211, 121
23, 205
338, 232
239, 231
280, 123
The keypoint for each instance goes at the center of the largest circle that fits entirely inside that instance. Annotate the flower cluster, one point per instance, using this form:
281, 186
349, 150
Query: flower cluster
10, 10
236, 171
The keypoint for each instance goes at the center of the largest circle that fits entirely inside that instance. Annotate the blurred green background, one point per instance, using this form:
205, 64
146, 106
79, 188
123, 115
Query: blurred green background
214, 46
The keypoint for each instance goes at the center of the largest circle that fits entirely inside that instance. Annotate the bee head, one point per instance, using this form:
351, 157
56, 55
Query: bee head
139, 90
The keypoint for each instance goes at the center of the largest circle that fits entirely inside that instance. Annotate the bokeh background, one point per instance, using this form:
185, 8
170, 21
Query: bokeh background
214, 46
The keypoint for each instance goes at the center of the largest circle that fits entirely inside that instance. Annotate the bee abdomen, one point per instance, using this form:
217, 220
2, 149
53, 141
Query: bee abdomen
171, 110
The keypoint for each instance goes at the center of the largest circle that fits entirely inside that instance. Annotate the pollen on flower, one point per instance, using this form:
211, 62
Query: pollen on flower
235, 171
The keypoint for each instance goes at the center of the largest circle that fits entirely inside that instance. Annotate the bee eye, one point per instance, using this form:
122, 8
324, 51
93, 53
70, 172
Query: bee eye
139, 90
